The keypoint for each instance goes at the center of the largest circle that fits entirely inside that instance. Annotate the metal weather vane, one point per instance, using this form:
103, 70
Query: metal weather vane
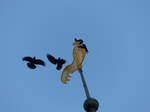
78, 56
79, 52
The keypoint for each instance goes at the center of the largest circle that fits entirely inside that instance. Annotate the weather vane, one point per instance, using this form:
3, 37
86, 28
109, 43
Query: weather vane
79, 52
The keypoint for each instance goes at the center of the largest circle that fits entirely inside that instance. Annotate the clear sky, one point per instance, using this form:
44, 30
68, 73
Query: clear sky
117, 68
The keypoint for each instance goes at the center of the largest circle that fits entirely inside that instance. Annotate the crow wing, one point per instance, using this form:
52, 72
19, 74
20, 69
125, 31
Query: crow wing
28, 58
51, 59
84, 47
62, 61
40, 62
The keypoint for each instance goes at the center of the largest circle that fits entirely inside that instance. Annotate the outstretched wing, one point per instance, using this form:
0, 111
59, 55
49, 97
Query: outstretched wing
28, 58
51, 59
40, 62
60, 63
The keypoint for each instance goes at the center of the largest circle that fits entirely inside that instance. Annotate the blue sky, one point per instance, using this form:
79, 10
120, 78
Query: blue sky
117, 68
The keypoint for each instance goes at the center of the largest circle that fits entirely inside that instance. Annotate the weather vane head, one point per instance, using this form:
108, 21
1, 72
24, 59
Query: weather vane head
80, 40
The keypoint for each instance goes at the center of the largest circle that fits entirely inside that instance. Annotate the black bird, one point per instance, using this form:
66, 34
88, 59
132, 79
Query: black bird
33, 61
84, 47
55, 61
81, 41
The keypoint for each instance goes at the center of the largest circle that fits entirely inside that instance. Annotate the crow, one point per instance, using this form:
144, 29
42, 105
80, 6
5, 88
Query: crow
33, 61
58, 61
84, 47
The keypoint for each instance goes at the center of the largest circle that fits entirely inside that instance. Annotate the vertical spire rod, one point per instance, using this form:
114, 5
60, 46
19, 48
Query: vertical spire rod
84, 83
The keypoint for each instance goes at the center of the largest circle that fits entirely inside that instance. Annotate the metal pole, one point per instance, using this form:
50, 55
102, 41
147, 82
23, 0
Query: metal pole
90, 104
84, 83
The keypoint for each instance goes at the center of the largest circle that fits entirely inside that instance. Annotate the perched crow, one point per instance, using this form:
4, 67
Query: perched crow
81, 41
58, 61
84, 47
33, 61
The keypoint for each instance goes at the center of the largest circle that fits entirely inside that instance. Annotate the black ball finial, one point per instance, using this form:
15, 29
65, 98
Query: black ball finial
91, 105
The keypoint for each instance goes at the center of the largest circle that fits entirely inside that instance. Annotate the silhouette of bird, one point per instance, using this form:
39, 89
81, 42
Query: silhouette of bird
33, 61
55, 61
84, 47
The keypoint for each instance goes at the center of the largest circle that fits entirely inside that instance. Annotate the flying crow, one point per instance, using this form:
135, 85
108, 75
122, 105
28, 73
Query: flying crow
58, 61
33, 61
